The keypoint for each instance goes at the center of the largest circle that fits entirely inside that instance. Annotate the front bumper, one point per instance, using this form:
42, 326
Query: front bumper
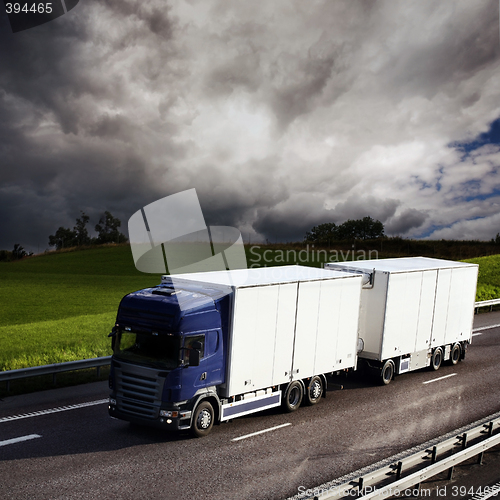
168, 419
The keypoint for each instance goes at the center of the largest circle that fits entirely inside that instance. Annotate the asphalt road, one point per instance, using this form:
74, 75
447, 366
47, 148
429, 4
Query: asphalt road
55, 448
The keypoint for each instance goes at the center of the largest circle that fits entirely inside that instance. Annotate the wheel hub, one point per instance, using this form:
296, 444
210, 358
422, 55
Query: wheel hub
315, 390
204, 419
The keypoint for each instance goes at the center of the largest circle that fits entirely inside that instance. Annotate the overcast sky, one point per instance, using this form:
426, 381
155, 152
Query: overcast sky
282, 114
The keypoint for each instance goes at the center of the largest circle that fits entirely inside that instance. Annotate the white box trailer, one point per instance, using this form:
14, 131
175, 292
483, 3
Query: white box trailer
415, 311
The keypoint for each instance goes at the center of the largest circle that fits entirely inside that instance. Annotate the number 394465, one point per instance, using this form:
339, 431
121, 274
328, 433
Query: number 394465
35, 8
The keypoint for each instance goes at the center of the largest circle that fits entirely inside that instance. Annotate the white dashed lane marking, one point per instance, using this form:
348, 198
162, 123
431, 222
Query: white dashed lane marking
440, 378
19, 439
52, 410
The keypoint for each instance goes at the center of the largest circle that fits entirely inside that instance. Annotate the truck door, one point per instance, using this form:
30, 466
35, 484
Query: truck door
209, 371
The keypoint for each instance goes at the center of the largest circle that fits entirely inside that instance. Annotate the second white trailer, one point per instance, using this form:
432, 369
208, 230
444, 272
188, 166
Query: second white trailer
415, 312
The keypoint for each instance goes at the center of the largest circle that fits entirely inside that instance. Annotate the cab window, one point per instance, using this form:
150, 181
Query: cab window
188, 343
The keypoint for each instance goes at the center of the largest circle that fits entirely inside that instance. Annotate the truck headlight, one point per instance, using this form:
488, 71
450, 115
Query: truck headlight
167, 413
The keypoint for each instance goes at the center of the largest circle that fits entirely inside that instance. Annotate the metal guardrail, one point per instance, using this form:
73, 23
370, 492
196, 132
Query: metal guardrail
54, 369
407, 470
487, 303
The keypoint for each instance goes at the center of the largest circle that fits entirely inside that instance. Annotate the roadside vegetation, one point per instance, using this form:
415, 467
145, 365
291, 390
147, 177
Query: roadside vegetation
60, 306
488, 283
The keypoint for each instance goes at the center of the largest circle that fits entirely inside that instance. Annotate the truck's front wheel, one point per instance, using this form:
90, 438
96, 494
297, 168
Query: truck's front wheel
203, 419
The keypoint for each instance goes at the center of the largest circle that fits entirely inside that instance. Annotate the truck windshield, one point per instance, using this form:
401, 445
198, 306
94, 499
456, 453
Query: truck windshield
158, 350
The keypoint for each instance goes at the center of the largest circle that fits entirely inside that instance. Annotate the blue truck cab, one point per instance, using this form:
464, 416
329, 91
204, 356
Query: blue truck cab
168, 354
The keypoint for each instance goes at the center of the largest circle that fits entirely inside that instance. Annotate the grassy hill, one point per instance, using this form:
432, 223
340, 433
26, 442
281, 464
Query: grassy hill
61, 306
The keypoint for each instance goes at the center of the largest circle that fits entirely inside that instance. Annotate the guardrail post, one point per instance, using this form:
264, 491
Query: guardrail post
490, 429
398, 470
358, 484
464, 441
434, 455
450, 473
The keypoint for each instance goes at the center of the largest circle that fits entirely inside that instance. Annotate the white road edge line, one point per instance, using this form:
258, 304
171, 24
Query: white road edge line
52, 410
476, 334
440, 378
485, 328
260, 432
19, 439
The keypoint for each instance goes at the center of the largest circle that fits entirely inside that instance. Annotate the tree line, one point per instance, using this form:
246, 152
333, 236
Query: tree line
350, 230
107, 232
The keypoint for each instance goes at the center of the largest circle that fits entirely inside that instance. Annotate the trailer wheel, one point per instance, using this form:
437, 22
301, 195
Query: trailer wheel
293, 396
314, 391
437, 358
387, 372
456, 354
203, 419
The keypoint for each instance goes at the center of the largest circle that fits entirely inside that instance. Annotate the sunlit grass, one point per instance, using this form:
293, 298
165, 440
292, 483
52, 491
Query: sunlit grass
55, 341
488, 283
61, 306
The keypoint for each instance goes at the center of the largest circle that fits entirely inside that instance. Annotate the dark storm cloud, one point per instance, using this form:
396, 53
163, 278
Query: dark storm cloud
407, 220
64, 145
292, 220
282, 115
357, 207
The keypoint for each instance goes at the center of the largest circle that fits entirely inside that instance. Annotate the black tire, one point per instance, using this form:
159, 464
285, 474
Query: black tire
293, 396
203, 420
314, 391
455, 354
387, 372
437, 358
463, 349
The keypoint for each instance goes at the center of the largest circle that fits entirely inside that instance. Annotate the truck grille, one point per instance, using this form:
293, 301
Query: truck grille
138, 393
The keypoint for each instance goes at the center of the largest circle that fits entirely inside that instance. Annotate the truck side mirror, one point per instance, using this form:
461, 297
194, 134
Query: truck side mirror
194, 354
194, 357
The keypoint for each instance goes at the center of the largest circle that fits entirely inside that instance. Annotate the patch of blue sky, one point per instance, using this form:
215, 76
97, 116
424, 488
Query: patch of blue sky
482, 196
429, 231
422, 184
492, 136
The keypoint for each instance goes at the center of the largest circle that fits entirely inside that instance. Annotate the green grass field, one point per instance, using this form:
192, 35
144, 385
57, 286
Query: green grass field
488, 282
61, 306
